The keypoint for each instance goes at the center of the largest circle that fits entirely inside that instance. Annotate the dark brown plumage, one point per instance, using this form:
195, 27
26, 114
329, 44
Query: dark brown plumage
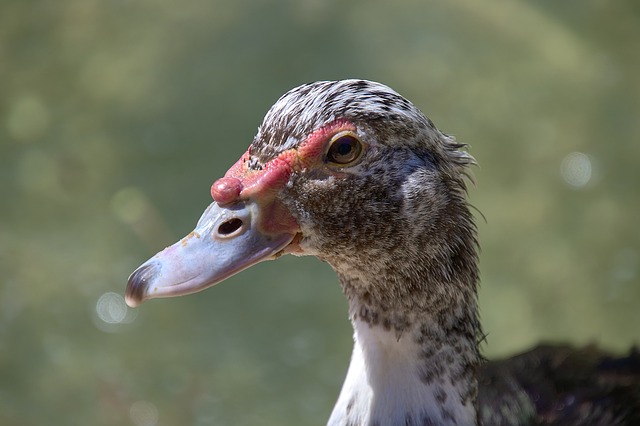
561, 385
353, 173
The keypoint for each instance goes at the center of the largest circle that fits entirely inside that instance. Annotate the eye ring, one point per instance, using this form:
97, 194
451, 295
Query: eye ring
345, 149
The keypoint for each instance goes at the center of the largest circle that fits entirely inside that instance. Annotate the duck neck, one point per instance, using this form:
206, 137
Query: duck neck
415, 371
412, 295
416, 350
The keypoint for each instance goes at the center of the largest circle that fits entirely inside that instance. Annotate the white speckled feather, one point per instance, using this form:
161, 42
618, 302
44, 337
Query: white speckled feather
383, 386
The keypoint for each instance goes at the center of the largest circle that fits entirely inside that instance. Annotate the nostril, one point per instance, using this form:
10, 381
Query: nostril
230, 226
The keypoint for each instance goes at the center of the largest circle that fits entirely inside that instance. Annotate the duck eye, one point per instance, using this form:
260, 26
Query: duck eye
344, 149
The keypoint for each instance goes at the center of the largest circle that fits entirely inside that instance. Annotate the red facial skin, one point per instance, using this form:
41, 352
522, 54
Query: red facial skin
261, 186
226, 190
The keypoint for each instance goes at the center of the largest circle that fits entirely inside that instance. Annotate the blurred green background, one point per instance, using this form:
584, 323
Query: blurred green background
116, 116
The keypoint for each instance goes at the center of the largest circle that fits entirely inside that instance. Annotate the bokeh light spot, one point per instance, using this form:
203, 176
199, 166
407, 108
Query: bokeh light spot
111, 308
112, 311
576, 169
144, 413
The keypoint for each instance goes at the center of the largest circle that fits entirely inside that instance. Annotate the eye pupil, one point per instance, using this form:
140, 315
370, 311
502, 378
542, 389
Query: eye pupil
343, 147
344, 150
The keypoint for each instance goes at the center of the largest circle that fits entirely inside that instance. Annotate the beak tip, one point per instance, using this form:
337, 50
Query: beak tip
131, 301
138, 284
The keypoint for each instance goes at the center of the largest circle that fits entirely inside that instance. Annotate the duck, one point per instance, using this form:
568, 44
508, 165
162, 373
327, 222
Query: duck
353, 173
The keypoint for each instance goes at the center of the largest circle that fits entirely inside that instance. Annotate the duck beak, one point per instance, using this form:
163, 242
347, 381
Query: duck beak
226, 240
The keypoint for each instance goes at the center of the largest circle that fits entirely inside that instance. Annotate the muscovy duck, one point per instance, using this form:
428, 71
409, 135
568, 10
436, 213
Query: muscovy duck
353, 173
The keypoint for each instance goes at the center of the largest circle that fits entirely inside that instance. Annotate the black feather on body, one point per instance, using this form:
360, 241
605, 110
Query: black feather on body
561, 385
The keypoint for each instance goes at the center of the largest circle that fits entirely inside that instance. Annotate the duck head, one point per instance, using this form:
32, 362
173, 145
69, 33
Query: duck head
348, 171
